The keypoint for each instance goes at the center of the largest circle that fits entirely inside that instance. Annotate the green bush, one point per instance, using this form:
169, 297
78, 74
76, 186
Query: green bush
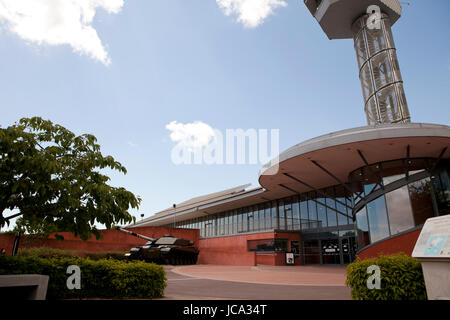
116, 255
45, 252
401, 279
99, 278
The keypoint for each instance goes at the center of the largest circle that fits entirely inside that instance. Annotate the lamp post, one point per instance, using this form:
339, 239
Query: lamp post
174, 212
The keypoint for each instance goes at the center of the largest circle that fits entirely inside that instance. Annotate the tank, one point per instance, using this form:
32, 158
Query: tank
164, 250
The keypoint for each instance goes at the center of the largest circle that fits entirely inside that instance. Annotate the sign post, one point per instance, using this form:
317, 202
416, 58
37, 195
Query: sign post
432, 249
289, 258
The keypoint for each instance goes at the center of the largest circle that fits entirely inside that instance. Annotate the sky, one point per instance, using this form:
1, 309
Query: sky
144, 76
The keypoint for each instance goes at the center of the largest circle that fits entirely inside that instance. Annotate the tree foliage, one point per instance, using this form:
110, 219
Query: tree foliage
53, 178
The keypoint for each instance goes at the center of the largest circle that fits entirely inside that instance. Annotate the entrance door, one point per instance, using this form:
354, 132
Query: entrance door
331, 251
348, 249
311, 252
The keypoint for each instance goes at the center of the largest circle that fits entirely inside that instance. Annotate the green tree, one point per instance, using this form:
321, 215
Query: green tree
52, 177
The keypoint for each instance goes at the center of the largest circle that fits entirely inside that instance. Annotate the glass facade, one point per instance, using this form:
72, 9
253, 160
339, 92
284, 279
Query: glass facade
378, 221
399, 208
403, 195
305, 212
386, 199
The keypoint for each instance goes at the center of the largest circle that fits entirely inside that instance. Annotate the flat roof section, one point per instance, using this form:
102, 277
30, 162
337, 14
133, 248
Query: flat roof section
324, 161
204, 205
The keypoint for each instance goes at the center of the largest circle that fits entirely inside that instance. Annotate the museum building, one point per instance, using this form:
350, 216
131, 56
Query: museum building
361, 191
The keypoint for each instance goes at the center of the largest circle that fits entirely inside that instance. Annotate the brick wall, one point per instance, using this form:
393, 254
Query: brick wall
112, 239
402, 243
232, 250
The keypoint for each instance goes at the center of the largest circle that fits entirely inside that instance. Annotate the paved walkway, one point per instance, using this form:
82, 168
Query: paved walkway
199, 282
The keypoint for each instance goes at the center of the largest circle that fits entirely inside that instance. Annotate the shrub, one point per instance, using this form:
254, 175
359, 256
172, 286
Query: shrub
116, 255
401, 279
45, 252
99, 278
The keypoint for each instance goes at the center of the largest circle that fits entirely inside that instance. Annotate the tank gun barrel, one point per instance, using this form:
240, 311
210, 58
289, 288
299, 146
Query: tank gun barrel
134, 234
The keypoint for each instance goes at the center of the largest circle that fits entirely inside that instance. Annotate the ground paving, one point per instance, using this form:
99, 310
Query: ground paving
260, 282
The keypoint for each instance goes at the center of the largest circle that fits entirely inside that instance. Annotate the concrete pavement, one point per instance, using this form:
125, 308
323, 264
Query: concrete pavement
198, 282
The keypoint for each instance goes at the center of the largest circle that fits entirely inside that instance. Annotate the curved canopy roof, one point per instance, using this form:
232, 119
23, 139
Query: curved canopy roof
327, 160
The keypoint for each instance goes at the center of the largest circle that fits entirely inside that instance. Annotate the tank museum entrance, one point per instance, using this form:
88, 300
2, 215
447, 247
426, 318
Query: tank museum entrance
330, 248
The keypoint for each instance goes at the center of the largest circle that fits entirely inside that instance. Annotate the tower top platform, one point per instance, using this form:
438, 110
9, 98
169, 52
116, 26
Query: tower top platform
337, 16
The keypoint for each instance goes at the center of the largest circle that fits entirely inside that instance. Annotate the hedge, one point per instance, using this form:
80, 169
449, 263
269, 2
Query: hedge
401, 278
45, 252
99, 278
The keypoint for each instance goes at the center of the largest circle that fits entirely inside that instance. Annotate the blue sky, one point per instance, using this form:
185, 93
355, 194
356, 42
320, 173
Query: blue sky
186, 61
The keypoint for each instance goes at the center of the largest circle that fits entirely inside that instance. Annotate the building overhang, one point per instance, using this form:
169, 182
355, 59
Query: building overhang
208, 206
327, 160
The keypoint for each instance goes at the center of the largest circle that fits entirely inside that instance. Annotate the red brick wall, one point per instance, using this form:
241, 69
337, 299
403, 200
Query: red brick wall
226, 251
222, 250
112, 239
402, 243
266, 258
233, 250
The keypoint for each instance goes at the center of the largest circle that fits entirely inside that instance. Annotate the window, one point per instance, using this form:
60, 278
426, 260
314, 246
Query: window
305, 222
422, 204
281, 216
295, 215
245, 220
239, 221
250, 219
274, 215
220, 224
342, 219
288, 213
261, 217
312, 209
362, 228
378, 222
441, 184
268, 245
399, 209
331, 203
321, 216
267, 217
340, 198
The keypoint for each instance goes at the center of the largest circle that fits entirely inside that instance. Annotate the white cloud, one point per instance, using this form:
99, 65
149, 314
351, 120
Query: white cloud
250, 13
132, 144
59, 22
192, 135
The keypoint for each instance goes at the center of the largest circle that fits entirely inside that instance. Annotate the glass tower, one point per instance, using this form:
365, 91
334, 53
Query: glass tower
381, 81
